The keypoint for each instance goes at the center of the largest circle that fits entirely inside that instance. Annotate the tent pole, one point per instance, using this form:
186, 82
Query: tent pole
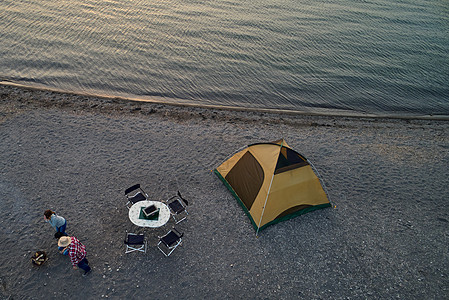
263, 210
268, 193
321, 180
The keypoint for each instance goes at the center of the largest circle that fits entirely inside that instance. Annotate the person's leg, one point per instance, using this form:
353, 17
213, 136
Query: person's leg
62, 228
84, 264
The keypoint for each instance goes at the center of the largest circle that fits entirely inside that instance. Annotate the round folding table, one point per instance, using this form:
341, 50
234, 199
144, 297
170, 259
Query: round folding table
137, 216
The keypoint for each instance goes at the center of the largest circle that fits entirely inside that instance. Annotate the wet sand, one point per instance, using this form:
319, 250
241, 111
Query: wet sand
385, 237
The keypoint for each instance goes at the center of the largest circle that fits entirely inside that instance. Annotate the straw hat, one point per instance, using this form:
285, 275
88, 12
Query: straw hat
64, 241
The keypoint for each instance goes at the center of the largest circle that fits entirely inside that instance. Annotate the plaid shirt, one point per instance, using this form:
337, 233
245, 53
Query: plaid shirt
77, 251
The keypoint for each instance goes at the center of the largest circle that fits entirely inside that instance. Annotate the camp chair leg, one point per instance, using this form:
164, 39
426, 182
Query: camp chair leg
130, 249
170, 242
135, 242
171, 249
180, 220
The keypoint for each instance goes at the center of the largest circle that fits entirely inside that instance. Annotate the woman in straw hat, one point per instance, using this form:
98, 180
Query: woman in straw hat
77, 253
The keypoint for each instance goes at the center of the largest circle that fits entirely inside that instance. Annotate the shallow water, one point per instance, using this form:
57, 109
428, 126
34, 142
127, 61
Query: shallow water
325, 56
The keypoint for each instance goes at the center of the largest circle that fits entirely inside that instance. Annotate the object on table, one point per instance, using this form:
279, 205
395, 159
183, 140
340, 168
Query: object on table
150, 210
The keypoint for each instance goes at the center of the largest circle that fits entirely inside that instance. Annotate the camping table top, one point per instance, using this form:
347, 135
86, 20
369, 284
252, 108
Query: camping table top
138, 218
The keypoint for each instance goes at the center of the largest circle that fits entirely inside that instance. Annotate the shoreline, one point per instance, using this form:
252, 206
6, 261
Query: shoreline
159, 101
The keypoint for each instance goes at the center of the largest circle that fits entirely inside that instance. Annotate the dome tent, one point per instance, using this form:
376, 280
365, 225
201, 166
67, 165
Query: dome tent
272, 183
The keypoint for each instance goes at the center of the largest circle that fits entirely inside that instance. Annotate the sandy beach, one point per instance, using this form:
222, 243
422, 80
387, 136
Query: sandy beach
385, 237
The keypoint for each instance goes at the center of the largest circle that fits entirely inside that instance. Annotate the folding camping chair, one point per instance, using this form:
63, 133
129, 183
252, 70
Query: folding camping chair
135, 194
178, 207
170, 241
135, 242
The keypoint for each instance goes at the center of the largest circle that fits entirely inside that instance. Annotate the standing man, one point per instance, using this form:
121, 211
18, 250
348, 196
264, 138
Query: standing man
77, 253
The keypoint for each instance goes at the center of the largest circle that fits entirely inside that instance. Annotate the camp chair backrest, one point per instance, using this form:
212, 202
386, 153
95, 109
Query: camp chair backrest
132, 188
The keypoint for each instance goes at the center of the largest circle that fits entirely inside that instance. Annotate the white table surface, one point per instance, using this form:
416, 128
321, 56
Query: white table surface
164, 214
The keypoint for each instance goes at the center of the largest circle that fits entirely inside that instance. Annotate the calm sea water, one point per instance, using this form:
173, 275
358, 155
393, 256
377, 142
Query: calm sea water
331, 56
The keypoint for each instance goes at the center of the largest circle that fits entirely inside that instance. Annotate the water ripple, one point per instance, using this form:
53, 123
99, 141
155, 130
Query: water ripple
373, 56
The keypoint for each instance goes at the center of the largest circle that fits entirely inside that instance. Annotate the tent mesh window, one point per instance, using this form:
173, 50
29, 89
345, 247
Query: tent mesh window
289, 160
246, 178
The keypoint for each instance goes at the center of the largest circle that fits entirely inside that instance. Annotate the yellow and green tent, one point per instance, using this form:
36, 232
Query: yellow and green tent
272, 183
